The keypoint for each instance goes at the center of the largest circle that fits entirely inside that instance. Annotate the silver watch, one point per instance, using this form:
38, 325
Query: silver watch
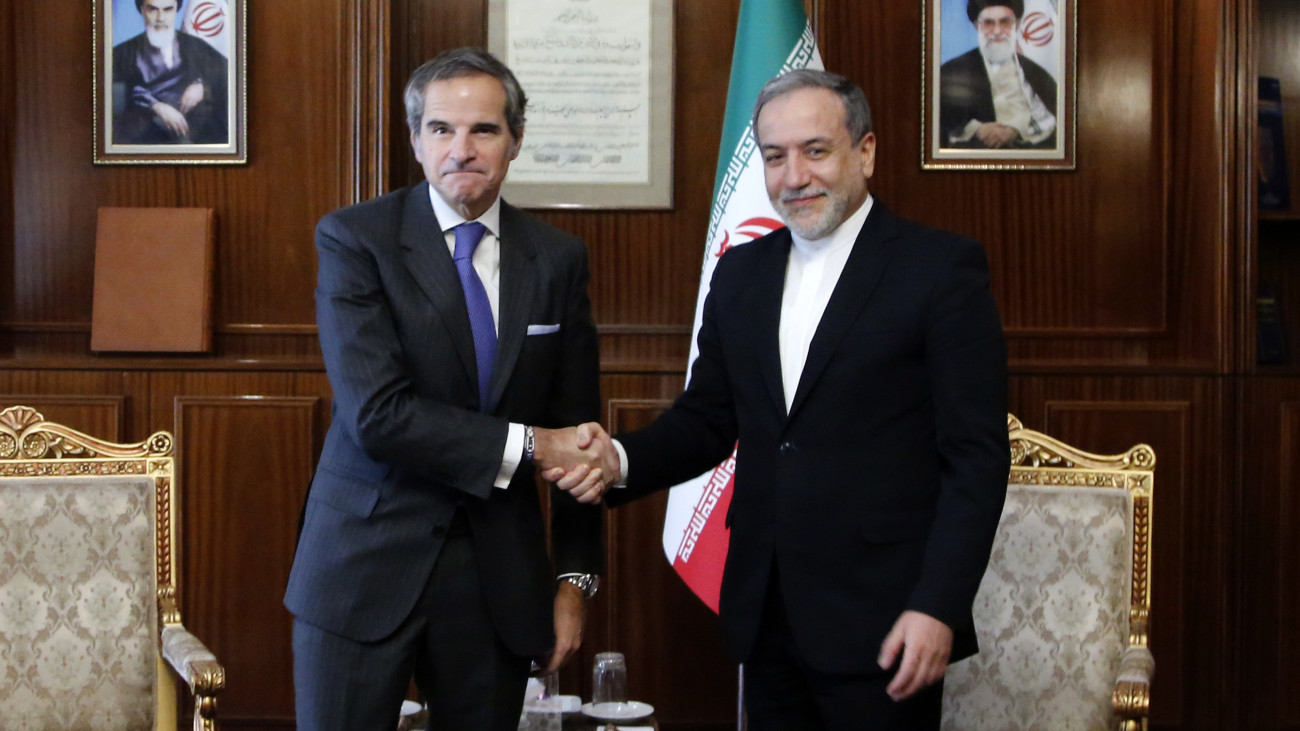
586, 583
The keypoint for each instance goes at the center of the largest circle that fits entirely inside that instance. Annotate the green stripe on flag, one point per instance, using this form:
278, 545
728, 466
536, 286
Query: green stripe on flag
768, 30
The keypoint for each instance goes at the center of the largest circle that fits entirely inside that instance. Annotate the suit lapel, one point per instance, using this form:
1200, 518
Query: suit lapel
427, 258
765, 313
518, 284
866, 263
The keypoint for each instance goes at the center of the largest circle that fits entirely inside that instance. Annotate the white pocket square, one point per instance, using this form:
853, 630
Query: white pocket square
543, 329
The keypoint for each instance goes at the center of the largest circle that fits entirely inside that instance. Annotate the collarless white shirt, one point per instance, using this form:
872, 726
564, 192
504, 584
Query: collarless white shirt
813, 269
487, 262
811, 273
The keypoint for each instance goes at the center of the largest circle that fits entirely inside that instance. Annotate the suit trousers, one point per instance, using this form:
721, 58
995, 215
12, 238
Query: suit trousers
470, 680
784, 693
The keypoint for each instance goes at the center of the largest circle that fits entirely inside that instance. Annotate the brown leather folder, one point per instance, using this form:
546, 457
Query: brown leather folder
153, 280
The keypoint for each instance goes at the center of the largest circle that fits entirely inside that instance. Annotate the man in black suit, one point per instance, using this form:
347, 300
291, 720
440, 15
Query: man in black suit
169, 87
858, 361
993, 97
451, 325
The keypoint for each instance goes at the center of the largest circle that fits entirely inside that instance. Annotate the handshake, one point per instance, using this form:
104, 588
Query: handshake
581, 460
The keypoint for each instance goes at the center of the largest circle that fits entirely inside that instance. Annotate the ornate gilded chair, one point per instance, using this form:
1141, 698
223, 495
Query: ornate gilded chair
87, 584
1062, 611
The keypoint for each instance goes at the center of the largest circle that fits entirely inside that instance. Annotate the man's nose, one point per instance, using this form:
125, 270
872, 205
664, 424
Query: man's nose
796, 172
462, 147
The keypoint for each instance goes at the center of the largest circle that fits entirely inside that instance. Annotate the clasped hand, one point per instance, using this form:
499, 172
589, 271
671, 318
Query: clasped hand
581, 460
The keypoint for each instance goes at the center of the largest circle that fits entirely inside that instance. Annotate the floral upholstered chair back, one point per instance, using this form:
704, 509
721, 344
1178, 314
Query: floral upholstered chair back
87, 599
1062, 611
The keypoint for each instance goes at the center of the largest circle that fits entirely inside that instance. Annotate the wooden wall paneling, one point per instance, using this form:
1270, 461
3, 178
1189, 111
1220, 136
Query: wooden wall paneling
102, 417
673, 642
246, 448
8, 102
1185, 420
1269, 559
305, 159
107, 404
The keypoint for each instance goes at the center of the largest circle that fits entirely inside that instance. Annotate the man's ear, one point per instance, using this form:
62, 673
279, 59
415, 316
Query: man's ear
517, 144
415, 146
867, 149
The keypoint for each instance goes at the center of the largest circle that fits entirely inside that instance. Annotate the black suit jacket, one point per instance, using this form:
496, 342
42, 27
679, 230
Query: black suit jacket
882, 487
965, 94
408, 445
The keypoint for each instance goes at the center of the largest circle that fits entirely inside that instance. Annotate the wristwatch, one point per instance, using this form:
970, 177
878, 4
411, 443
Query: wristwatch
530, 445
586, 583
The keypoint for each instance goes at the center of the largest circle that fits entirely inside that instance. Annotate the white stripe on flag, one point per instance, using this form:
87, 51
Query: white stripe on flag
694, 537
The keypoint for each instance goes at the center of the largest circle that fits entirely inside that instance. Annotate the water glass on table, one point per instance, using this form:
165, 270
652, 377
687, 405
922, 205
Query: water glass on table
609, 679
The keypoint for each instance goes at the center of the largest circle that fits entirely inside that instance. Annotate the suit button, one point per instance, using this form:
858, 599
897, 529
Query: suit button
439, 530
786, 448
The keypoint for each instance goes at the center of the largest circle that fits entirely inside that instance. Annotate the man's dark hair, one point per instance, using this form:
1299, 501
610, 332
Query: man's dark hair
139, 6
458, 63
857, 113
974, 7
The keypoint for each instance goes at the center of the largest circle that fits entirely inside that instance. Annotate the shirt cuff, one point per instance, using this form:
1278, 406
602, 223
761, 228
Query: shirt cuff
622, 463
513, 454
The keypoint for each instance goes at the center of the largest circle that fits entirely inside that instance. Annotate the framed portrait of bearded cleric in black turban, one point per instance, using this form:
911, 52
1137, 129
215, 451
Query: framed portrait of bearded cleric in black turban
169, 81
999, 84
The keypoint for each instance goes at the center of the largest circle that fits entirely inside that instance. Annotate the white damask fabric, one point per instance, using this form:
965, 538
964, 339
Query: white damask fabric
1051, 615
78, 604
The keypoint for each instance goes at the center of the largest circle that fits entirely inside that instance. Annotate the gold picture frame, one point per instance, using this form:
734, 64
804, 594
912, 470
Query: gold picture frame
1030, 122
173, 93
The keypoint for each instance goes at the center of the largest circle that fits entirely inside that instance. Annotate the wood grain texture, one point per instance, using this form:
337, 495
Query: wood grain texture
239, 458
99, 403
103, 417
1269, 495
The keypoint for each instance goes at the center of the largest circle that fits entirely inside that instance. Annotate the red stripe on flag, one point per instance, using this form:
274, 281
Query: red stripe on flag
703, 550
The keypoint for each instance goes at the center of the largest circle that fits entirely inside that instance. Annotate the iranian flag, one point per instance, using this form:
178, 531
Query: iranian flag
773, 36
209, 20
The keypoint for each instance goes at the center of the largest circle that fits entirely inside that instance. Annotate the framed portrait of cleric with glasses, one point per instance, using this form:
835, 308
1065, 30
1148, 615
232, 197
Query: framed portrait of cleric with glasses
998, 89
170, 82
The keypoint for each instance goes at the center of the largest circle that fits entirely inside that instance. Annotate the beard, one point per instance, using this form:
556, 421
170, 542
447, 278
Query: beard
161, 38
834, 212
997, 49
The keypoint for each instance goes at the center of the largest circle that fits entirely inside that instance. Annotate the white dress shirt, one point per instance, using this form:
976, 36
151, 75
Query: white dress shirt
487, 263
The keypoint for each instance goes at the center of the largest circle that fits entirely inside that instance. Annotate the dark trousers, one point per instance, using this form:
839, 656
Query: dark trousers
471, 681
784, 693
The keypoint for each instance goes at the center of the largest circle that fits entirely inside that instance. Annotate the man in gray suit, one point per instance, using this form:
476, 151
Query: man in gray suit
454, 328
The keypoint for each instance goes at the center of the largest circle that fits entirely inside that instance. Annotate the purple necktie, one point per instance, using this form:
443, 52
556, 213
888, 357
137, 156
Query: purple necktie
480, 310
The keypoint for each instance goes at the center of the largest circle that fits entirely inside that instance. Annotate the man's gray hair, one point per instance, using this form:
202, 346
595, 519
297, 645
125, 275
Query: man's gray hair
857, 113
458, 63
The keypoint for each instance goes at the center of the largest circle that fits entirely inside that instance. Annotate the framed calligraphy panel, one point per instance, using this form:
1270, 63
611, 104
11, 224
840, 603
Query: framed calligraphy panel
599, 80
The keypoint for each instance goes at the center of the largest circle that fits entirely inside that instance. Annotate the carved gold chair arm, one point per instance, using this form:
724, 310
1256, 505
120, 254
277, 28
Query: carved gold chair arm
200, 669
1132, 697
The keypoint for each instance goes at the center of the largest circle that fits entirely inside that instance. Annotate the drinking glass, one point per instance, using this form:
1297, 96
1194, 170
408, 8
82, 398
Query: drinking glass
609, 679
